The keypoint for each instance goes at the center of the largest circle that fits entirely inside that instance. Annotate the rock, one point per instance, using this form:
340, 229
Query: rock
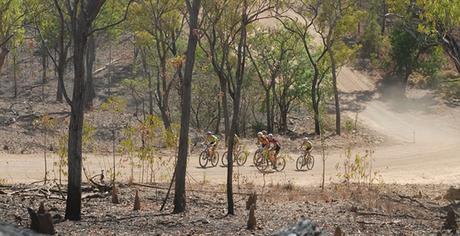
304, 227
453, 194
6, 229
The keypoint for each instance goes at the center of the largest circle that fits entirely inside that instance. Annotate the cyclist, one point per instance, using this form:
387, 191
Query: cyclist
211, 142
306, 145
275, 146
262, 140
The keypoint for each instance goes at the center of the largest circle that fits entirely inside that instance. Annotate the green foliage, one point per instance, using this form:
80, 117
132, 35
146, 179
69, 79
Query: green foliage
11, 21
372, 39
357, 168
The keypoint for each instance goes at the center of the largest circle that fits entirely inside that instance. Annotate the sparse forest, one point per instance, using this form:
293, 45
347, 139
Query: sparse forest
229, 117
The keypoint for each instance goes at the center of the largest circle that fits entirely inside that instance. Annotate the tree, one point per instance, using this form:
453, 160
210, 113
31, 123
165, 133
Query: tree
226, 26
11, 30
277, 56
271, 51
302, 25
52, 29
158, 30
443, 17
335, 20
82, 15
193, 9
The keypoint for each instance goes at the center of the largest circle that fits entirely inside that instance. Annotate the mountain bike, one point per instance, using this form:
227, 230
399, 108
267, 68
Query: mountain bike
238, 156
205, 157
262, 162
306, 160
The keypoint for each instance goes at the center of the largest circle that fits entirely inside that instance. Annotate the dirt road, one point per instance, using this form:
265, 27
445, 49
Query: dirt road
425, 147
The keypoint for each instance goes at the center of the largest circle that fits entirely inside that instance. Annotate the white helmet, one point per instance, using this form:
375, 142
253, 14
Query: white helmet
306, 139
270, 135
260, 134
209, 133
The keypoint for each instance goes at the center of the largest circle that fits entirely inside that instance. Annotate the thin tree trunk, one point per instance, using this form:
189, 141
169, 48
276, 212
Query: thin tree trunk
236, 109
223, 87
44, 74
336, 93
181, 167
315, 104
3, 53
268, 113
15, 79
219, 113
89, 63
150, 84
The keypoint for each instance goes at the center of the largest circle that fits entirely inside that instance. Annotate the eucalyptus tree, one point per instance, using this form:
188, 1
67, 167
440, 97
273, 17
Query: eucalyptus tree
193, 9
158, 28
11, 26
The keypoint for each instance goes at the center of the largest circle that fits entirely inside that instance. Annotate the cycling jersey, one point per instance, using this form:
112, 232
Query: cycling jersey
211, 139
263, 141
306, 145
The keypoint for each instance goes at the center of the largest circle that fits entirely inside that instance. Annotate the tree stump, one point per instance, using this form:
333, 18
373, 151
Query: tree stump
115, 195
252, 200
137, 201
338, 231
252, 218
451, 222
41, 221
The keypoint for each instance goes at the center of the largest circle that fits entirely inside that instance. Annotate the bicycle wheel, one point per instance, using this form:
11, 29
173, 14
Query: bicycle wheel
224, 159
215, 159
310, 162
203, 159
280, 164
254, 160
300, 163
241, 158
262, 163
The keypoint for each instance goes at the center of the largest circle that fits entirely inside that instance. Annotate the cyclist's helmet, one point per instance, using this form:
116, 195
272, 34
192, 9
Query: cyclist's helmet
264, 132
209, 133
270, 136
259, 134
306, 139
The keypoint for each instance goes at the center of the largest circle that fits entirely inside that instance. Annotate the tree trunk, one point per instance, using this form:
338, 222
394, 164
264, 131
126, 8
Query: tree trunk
223, 87
179, 195
283, 120
73, 203
90, 57
315, 103
268, 108
272, 118
336, 93
15, 79
3, 53
60, 85
149, 77
44, 74
236, 108
219, 113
